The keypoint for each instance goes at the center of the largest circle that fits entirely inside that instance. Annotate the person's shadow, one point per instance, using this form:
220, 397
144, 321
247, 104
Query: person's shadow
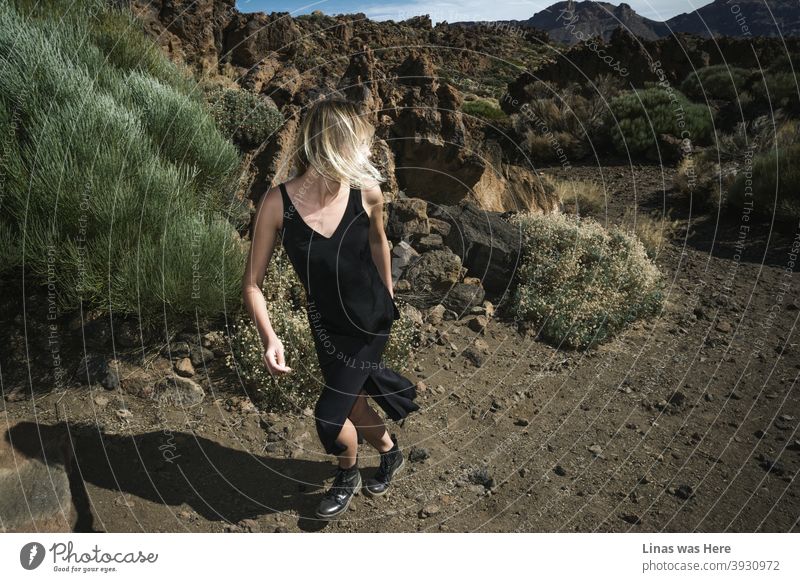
173, 468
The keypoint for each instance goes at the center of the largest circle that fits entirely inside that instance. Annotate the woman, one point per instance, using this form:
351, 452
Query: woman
333, 234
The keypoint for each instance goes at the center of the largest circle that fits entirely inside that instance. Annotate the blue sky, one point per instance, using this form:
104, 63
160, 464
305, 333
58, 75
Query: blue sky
453, 10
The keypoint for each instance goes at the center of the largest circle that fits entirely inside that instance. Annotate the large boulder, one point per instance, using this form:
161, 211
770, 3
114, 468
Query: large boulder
462, 297
434, 272
407, 217
488, 245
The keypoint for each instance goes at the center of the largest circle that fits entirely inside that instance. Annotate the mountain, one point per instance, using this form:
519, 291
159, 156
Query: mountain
570, 21
741, 18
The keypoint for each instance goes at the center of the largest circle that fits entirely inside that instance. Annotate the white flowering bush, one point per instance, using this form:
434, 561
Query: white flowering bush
286, 304
580, 282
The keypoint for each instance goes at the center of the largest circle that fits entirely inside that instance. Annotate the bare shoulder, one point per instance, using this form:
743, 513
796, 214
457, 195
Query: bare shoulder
270, 208
372, 196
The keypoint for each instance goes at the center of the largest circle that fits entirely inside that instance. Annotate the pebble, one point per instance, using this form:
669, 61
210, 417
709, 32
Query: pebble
417, 454
684, 492
184, 367
124, 413
596, 450
428, 510
771, 465
631, 518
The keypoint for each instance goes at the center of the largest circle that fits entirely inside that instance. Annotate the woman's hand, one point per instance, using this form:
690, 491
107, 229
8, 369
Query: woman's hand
273, 357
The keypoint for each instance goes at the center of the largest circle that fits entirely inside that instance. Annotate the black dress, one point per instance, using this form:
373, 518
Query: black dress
350, 312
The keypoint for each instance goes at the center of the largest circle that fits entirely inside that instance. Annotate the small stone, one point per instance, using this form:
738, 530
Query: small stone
478, 323
124, 414
481, 345
560, 471
184, 367
684, 492
179, 391
428, 510
417, 454
101, 400
723, 326
596, 450
631, 518
474, 356
771, 465
522, 422
200, 356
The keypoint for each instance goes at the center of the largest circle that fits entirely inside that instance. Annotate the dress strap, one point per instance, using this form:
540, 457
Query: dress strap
286, 202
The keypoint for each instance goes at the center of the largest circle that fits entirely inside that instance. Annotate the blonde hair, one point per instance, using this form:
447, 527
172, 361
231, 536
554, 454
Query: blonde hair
335, 140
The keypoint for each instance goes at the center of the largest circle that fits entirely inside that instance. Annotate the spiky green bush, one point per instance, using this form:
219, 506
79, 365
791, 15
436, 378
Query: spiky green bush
286, 304
580, 282
243, 116
114, 180
639, 118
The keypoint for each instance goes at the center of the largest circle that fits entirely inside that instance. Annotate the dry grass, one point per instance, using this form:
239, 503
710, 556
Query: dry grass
655, 229
580, 196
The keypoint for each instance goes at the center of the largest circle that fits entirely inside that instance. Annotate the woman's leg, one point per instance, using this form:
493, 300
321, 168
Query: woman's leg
370, 424
348, 437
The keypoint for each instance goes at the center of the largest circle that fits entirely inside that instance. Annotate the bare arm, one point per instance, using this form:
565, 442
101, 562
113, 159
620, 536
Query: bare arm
267, 220
378, 244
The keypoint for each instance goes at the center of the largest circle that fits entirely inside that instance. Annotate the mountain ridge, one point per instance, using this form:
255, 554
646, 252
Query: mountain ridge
571, 21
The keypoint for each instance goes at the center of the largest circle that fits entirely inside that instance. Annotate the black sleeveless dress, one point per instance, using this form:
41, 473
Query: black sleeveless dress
350, 312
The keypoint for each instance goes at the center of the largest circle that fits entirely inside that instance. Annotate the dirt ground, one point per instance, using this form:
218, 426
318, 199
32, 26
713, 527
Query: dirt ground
687, 422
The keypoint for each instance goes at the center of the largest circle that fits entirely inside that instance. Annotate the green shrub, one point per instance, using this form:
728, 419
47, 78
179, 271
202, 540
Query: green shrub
779, 90
286, 305
243, 116
580, 282
114, 181
773, 186
484, 108
716, 82
639, 118
748, 92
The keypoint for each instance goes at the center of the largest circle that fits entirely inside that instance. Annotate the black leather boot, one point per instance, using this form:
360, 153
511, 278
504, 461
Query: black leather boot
391, 462
336, 500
